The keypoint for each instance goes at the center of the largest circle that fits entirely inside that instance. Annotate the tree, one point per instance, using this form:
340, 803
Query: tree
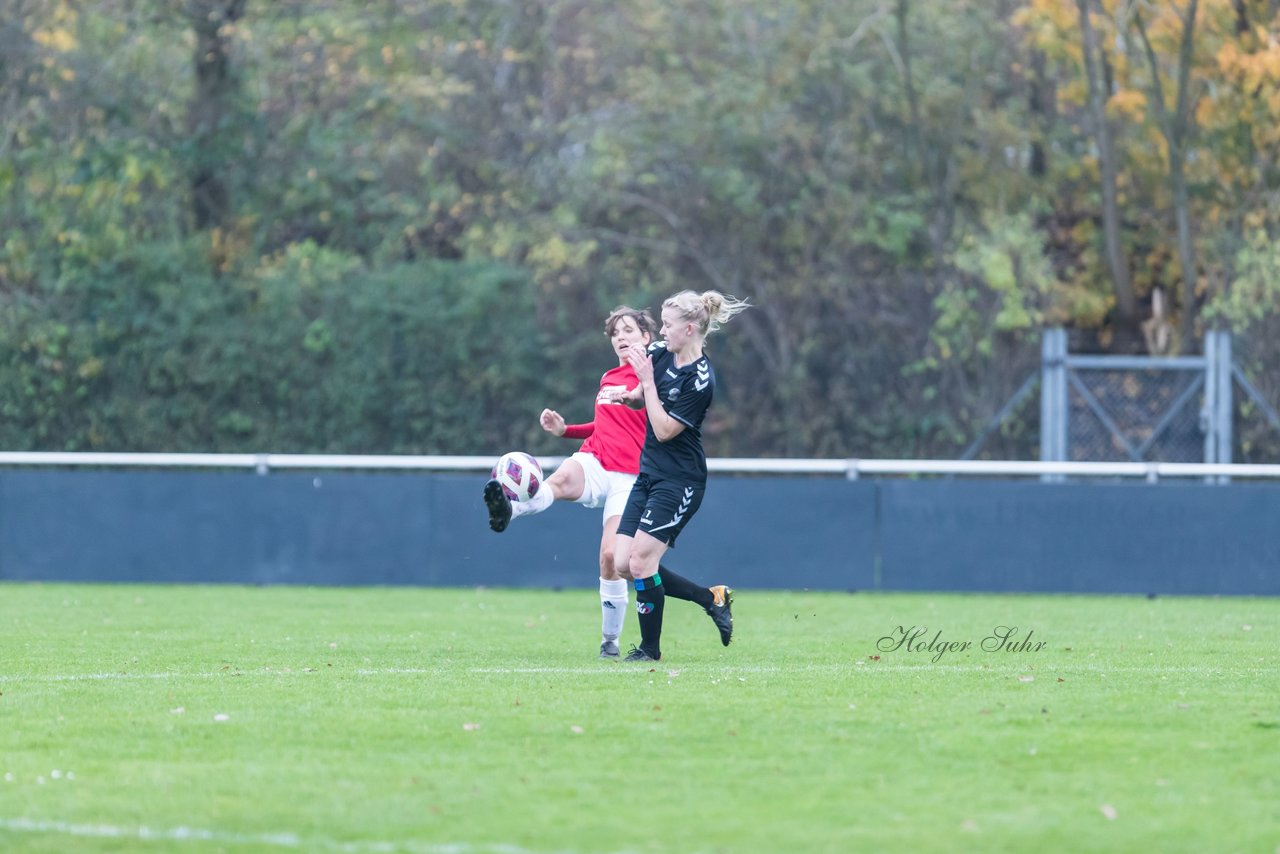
210, 124
903, 217
1111, 221
1177, 126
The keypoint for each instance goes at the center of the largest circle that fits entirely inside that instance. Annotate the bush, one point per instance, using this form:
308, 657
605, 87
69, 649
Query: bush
310, 352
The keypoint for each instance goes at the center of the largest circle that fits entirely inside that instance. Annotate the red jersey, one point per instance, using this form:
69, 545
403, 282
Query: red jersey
616, 435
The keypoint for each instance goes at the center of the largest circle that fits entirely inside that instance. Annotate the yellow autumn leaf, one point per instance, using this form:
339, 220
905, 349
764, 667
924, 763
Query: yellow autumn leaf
1228, 57
59, 40
1205, 112
554, 253
1270, 61
1127, 102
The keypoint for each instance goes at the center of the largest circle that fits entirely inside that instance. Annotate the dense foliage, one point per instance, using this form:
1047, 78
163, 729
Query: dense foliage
396, 226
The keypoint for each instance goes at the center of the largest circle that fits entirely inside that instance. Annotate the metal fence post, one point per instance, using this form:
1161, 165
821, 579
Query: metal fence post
1224, 401
1053, 398
1209, 414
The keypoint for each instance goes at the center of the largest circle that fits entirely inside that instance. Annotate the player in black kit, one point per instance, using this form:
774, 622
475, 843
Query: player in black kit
677, 383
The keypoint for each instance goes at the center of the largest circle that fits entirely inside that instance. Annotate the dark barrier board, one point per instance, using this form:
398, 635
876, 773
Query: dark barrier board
762, 532
1179, 538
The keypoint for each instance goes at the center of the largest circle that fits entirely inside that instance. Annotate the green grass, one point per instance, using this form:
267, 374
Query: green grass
430, 720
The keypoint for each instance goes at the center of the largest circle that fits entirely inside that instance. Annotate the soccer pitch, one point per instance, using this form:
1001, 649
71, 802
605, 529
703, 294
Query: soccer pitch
205, 718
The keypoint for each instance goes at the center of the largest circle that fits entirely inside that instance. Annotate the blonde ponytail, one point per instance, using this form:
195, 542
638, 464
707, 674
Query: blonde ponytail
721, 308
708, 310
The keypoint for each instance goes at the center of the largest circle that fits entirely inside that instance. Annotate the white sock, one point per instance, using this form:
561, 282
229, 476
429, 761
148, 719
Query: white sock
539, 502
613, 607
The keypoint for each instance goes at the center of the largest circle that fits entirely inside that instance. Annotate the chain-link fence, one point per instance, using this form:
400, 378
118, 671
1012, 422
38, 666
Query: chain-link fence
1139, 408
1124, 415
1257, 375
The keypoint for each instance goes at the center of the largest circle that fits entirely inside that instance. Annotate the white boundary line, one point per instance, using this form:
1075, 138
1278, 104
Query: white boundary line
604, 668
273, 840
995, 664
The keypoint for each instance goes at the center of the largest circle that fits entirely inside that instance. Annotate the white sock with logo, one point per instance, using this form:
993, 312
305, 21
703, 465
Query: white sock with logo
539, 502
613, 607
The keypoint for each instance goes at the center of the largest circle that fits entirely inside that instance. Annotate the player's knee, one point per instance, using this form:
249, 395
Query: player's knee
615, 568
621, 565
559, 487
636, 565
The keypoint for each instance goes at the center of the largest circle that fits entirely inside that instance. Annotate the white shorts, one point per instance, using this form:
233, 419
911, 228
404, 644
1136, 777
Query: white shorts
600, 488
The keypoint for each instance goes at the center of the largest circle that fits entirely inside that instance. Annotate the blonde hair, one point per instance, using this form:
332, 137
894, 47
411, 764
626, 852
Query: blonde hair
639, 316
708, 310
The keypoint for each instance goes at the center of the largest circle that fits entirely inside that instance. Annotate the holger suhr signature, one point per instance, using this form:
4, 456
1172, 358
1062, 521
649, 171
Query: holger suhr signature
917, 639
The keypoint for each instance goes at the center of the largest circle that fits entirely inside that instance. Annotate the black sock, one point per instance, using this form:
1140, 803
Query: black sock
650, 597
679, 587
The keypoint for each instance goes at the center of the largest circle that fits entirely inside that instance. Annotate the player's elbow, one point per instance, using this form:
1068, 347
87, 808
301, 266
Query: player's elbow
668, 431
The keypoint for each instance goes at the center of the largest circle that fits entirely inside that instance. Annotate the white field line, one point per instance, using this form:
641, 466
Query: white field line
95, 677
614, 669
257, 840
604, 669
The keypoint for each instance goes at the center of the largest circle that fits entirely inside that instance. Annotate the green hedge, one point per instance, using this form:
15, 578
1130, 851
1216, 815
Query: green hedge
308, 352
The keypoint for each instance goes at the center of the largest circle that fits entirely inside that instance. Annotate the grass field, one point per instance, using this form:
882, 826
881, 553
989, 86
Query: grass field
202, 719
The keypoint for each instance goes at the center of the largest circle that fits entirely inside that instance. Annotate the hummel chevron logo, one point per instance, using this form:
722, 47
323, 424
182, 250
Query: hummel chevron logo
680, 511
704, 376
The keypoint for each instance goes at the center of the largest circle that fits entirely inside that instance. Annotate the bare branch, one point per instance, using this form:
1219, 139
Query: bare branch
851, 41
1157, 87
1185, 57
689, 250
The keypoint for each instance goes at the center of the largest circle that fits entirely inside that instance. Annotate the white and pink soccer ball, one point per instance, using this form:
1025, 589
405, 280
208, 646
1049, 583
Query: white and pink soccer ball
519, 474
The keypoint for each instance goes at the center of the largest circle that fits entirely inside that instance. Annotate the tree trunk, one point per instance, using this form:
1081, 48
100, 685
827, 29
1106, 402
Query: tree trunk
1176, 130
1040, 101
1126, 308
934, 168
1242, 17
914, 148
210, 109
1186, 252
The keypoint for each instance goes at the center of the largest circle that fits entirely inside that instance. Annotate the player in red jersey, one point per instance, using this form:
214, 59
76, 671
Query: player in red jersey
602, 472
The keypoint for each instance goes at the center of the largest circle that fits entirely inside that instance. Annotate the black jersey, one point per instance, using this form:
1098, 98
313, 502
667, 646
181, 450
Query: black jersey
686, 395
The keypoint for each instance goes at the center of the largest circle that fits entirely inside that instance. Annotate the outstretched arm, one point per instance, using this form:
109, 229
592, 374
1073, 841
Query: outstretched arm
553, 423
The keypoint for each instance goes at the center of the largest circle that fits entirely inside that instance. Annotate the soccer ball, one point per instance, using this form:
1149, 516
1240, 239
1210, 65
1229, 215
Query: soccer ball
519, 474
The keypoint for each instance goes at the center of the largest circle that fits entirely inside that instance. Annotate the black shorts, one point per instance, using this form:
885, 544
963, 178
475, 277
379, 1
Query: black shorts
660, 508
